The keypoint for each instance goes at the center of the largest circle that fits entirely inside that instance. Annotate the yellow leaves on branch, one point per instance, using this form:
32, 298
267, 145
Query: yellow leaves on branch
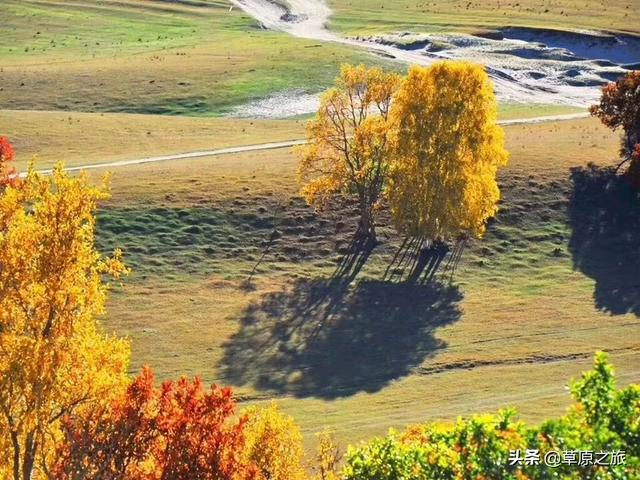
447, 150
274, 444
53, 356
349, 141
429, 142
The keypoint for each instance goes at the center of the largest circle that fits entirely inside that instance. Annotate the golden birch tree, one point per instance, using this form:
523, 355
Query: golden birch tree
348, 150
447, 151
53, 357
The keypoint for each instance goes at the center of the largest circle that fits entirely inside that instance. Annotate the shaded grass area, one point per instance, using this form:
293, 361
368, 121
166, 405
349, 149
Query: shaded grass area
604, 215
357, 16
152, 57
223, 236
181, 241
324, 339
226, 237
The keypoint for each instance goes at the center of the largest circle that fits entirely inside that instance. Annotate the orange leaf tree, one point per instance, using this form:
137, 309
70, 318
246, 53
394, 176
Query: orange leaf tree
8, 173
619, 107
178, 431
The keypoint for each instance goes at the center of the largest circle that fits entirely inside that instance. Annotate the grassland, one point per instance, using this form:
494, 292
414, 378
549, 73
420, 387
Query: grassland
194, 58
233, 275
181, 58
524, 314
364, 16
80, 138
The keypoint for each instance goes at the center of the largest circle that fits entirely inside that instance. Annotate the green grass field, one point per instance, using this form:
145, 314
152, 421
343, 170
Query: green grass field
365, 16
152, 57
183, 58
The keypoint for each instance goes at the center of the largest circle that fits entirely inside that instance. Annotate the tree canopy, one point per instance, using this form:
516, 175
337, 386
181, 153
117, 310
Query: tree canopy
428, 143
8, 173
180, 430
602, 419
54, 359
619, 107
348, 149
447, 150
274, 444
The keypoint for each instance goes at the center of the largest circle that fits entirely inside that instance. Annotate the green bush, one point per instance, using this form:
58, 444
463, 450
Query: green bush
602, 419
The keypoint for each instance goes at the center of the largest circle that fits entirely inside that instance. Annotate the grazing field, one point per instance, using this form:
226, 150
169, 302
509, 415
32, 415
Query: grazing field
80, 138
360, 16
193, 58
527, 307
236, 280
187, 58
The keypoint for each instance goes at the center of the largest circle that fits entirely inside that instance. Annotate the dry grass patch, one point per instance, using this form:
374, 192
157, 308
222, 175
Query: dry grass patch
81, 138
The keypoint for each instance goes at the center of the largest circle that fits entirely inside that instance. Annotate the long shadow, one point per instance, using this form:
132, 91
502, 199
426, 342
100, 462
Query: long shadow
604, 214
354, 260
419, 261
314, 339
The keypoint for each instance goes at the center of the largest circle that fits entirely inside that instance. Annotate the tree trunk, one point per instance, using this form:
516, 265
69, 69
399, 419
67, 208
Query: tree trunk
366, 227
16, 456
29, 457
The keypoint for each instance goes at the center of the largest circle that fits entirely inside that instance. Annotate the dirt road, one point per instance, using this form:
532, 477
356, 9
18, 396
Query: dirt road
270, 146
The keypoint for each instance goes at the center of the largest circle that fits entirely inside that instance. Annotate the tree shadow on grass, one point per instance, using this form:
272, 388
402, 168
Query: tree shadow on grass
326, 339
604, 215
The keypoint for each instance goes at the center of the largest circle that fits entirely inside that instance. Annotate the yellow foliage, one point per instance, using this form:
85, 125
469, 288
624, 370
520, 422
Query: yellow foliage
447, 150
328, 456
349, 141
274, 444
53, 356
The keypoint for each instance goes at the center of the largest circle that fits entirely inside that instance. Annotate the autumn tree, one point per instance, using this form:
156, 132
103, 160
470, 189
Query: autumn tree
634, 168
180, 430
200, 439
112, 441
619, 107
603, 418
348, 150
54, 359
274, 444
328, 456
447, 151
8, 173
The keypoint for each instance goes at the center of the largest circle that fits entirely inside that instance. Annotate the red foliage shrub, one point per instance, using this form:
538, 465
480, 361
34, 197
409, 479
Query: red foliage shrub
180, 431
